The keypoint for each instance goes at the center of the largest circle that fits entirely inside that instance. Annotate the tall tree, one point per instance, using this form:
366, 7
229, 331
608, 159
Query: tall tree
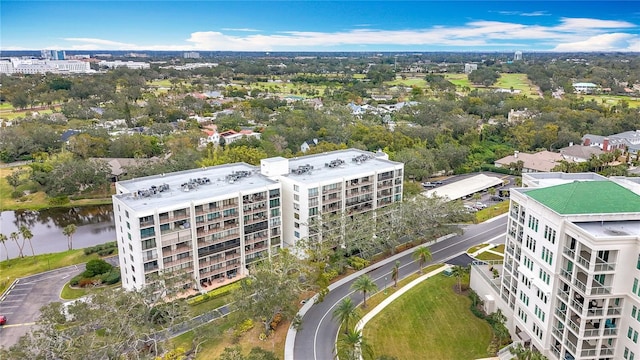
523, 353
459, 272
110, 323
272, 288
353, 346
395, 272
3, 240
364, 284
14, 236
422, 255
27, 235
68, 231
346, 312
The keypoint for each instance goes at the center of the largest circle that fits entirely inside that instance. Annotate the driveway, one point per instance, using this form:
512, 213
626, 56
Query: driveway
316, 340
21, 303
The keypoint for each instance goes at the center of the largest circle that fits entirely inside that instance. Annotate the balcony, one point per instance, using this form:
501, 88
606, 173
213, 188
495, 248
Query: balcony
604, 266
566, 274
176, 237
569, 252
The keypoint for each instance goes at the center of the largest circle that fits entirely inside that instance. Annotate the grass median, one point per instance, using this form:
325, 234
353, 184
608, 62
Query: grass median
430, 321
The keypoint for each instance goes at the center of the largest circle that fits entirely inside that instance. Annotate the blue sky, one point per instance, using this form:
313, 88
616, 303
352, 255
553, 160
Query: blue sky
321, 25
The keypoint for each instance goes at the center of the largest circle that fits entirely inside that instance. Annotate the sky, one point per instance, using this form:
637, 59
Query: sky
419, 26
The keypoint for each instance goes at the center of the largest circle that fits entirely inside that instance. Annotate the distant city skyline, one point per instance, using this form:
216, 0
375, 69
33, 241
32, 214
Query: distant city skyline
562, 26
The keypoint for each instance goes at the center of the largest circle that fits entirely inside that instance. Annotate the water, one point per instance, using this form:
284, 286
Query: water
94, 224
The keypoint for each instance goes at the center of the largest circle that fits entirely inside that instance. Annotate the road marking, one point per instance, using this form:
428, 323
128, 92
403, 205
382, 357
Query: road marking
315, 335
16, 325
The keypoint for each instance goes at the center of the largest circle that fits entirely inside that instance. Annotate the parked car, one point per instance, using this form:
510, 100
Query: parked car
470, 208
480, 205
428, 184
497, 198
438, 182
3, 319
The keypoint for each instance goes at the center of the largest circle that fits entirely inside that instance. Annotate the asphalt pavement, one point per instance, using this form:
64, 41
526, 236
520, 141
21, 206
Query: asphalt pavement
316, 340
21, 303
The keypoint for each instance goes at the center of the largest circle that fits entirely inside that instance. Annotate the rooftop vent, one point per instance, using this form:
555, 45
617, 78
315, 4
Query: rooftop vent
237, 175
153, 190
302, 169
361, 158
334, 163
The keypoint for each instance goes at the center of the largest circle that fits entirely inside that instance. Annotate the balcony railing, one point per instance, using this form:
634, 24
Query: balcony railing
570, 252
583, 261
571, 346
605, 267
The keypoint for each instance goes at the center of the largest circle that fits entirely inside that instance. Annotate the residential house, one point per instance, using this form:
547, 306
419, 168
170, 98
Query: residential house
579, 153
542, 161
584, 87
308, 144
624, 141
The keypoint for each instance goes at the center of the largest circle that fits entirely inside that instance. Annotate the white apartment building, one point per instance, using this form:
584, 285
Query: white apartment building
570, 279
209, 223
212, 223
37, 66
348, 181
127, 64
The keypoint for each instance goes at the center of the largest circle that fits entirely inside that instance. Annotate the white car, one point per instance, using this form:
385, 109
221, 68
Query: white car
480, 205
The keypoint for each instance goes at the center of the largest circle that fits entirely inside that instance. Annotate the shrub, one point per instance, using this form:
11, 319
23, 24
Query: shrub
111, 277
276, 320
86, 282
357, 263
97, 267
75, 280
106, 252
243, 327
17, 194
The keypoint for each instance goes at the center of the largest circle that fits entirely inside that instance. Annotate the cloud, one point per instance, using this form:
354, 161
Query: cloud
569, 34
604, 42
520, 13
241, 29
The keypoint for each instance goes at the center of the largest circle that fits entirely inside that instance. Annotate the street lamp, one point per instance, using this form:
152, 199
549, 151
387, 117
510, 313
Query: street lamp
385, 285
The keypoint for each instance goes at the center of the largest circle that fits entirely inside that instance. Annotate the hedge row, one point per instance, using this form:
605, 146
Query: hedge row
214, 294
106, 249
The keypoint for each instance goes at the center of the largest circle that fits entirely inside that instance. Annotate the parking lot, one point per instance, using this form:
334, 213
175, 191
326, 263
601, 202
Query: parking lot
21, 303
485, 199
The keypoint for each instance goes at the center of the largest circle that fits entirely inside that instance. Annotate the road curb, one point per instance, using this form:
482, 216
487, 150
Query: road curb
291, 333
6, 292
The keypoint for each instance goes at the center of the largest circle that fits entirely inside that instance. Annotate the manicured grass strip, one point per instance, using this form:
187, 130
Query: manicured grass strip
429, 322
20, 267
489, 256
69, 293
492, 211
499, 248
475, 248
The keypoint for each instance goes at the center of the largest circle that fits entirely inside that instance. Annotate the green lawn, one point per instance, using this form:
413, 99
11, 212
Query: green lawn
420, 82
489, 256
430, 321
492, 211
499, 248
476, 248
612, 99
506, 81
20, 267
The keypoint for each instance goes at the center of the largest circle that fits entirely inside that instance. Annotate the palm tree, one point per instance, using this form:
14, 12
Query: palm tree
459, 271
395, 272
27, 235
422, 255
3, 240
364, 284
346, 312
353, 346
14, 237
68, 231
523, 353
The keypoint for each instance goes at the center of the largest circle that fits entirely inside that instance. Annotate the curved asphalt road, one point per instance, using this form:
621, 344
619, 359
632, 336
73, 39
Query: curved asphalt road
316, 340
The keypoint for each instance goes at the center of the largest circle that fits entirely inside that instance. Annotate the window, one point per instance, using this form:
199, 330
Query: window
539, 313
313, 211
522, 315
528, 263
296, 225
629, 332
296, 188
550, 234
634, 310
638, 263
531, 243
126, 213
148, 244
296, 197
296, 206
524, 298
313, 192
544, 276
635, 286
635, 337
274, 202
296, 234
147, 232
626, 353
547, 255
128, 226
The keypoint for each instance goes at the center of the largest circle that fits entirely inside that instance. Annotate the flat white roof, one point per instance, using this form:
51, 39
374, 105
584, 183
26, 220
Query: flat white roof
217, 186
465, 187
611, 228
336, 164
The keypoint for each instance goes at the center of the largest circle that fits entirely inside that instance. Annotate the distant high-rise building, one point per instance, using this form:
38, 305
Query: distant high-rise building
517, 56
53, 54
191, 55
